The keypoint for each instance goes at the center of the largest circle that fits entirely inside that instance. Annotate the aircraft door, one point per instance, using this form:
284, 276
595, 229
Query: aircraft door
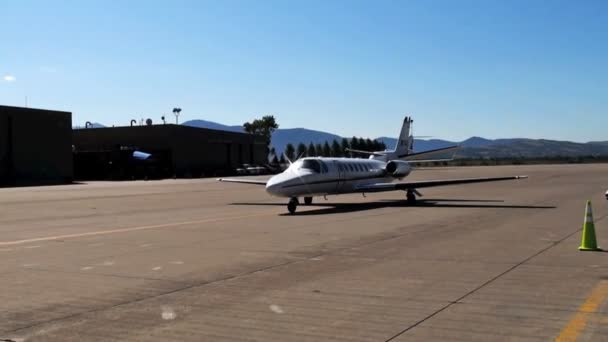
341, 176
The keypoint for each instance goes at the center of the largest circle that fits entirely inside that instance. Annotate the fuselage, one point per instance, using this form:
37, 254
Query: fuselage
328, 176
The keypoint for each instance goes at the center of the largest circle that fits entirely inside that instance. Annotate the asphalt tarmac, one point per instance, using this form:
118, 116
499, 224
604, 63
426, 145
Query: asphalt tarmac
199, 260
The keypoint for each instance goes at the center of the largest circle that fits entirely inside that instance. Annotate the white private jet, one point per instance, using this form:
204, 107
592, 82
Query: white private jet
319, 176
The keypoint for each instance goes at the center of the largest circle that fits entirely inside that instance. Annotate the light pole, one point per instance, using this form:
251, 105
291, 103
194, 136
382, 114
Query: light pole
176, 112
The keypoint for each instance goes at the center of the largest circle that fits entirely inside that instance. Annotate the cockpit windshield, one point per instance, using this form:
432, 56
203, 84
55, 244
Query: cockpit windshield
312, 165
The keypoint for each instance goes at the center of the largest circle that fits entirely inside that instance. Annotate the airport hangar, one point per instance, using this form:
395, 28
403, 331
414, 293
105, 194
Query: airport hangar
35, 146
175, 150
39, 147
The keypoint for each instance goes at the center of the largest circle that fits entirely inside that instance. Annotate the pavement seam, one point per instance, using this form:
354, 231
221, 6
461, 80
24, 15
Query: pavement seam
488, 282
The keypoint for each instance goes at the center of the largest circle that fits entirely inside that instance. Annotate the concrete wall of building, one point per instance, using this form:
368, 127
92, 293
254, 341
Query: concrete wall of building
35, 146
194, 151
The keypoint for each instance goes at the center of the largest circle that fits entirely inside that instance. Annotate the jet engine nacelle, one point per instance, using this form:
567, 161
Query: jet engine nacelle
398, 168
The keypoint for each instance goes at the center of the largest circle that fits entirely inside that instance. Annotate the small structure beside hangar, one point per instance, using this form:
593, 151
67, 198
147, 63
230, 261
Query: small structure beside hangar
174, 150
35, 146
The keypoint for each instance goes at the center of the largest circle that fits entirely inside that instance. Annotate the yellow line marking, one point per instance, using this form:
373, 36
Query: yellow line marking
577, 324
129, 229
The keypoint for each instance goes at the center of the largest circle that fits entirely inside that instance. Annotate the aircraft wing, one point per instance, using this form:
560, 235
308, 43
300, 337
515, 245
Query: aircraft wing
438, 150
379, 187
245, 181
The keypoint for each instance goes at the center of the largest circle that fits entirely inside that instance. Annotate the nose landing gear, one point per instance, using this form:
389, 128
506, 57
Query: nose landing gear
293, 205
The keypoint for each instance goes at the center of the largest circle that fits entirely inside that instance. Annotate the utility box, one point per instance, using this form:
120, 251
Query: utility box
35, 146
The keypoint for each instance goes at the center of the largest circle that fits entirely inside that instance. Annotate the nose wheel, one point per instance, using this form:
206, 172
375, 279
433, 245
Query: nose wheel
308, 200
292, 205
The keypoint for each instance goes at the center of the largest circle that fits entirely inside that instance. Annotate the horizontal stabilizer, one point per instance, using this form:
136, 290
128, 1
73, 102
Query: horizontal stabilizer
438, 150
365, 152
245, 181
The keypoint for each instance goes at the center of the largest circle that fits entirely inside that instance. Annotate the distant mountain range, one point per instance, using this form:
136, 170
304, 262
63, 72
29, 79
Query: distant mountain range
213, 125
280, 138
474, 147
477, 147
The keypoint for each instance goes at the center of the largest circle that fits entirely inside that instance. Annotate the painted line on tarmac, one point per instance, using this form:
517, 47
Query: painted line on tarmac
578, 323
129, 229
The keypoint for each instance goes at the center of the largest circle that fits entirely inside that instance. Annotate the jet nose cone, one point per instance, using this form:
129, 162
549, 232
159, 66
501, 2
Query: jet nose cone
273, 186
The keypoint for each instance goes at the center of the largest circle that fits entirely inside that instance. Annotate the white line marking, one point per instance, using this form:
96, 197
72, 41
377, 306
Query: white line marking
157, 268
130, 229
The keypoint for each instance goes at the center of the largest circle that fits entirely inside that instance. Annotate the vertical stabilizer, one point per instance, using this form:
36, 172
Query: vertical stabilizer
404, 143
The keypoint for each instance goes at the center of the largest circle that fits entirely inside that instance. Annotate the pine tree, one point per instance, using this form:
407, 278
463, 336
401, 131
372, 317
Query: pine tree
319, 150
290, 151
311, 150
336, 150
369, 145
326, 150
345, 145
354, 143
361, 143
301, 150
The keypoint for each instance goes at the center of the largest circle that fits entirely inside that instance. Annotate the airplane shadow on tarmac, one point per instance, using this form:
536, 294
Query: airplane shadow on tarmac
337, 208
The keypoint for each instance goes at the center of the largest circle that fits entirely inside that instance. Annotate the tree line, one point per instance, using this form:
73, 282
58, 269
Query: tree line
334, 149
268, 124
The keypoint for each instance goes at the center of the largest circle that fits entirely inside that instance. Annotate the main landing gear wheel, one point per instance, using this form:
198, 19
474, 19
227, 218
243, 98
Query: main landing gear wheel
411, 197
308, 200
292, 205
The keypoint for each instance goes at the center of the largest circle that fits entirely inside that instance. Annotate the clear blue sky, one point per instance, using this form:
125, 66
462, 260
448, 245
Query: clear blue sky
461, 68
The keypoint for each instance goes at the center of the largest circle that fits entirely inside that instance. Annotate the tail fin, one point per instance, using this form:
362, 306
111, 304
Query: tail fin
404, 144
